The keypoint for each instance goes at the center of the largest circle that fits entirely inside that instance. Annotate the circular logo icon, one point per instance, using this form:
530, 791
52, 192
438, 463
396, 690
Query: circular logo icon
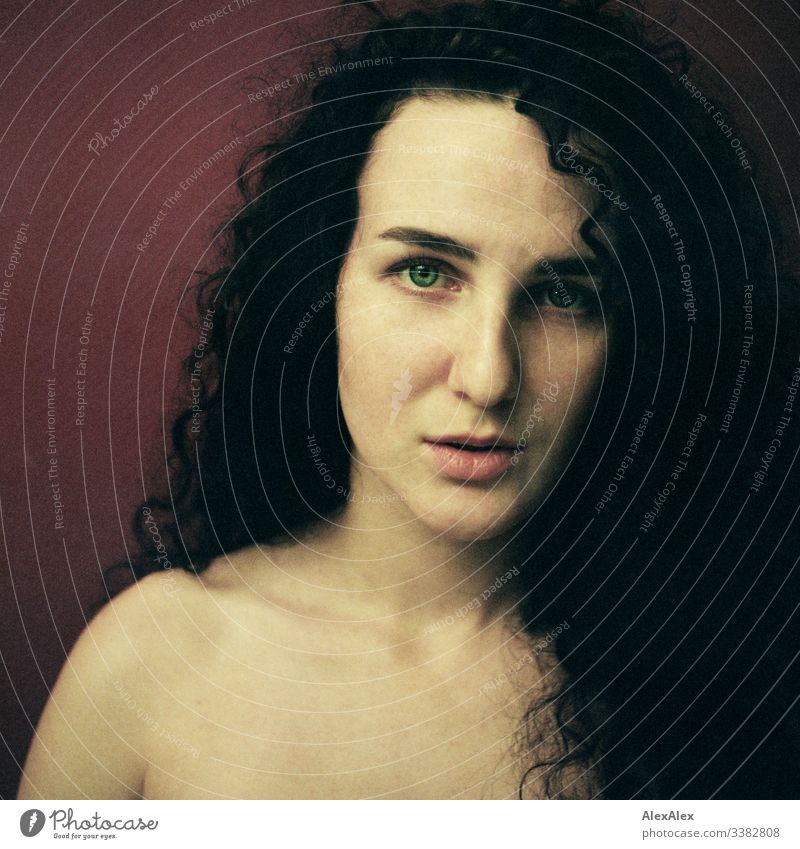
31, 822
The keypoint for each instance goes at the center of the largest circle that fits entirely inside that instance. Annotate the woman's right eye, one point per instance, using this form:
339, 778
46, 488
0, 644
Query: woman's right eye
423, 275
420, 273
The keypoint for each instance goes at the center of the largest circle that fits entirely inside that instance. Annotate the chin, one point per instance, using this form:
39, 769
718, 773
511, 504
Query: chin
484, 522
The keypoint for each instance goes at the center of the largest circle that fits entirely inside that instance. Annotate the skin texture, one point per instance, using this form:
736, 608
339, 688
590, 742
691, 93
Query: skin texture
369, 659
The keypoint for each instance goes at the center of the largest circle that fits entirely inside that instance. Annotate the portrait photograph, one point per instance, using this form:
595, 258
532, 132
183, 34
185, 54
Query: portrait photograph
400, 403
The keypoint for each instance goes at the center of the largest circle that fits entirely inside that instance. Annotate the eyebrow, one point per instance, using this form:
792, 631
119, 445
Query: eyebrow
443, 244
575, 266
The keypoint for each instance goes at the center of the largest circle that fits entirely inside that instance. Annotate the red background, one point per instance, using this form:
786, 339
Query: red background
67, 71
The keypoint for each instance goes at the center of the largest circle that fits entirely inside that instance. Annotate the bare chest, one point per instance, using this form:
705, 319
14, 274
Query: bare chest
340, 728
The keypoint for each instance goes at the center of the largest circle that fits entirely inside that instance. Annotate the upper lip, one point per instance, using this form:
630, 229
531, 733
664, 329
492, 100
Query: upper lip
475, 441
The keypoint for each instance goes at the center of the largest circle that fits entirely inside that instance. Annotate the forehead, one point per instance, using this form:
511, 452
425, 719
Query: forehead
470, 164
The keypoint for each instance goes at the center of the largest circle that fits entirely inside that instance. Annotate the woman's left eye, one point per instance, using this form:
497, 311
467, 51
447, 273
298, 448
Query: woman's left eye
565, 297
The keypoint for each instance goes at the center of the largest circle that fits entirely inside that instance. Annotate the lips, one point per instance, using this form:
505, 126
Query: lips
469, 461
469, 441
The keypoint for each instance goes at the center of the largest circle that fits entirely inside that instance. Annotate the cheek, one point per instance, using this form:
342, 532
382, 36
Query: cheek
382, 366
567, 374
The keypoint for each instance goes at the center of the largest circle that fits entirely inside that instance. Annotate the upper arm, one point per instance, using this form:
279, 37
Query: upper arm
88, 742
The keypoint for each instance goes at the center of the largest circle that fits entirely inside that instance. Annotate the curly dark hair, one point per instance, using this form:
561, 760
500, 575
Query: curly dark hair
667, 557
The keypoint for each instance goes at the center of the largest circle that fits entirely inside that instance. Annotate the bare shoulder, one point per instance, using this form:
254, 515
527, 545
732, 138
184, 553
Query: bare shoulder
165, 636
252, 571
88, 742
152, 619
254, 588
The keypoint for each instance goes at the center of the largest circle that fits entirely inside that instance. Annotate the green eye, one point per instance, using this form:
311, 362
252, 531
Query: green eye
563, 298
423, 275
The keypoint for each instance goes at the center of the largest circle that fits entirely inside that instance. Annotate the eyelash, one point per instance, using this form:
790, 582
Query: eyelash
448, 272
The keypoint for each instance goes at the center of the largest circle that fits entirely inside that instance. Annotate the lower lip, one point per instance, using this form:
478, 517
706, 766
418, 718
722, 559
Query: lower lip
466, 465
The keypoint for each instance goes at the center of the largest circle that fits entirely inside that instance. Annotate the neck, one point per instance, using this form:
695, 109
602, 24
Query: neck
390, 565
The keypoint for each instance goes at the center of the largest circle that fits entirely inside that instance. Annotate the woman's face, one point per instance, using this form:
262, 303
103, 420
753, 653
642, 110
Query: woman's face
466, 309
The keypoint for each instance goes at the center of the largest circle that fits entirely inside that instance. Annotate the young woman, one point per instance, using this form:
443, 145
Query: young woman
470, 502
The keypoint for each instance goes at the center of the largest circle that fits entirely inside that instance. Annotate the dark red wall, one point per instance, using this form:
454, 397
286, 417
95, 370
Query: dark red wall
68, 71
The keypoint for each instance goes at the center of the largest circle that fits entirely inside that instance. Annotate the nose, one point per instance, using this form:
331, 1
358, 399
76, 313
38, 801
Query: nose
486, 362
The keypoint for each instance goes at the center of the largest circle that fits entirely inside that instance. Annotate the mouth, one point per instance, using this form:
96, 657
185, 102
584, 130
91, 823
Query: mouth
469, 442
473, 461
466, 446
